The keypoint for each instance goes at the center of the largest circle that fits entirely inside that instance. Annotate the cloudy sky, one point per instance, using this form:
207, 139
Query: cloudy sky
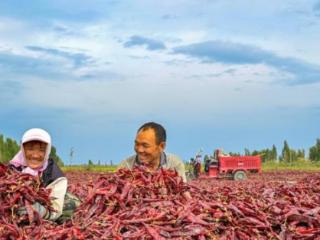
228, 74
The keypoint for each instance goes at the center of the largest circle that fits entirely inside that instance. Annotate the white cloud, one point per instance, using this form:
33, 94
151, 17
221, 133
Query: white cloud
127, 84
175, 92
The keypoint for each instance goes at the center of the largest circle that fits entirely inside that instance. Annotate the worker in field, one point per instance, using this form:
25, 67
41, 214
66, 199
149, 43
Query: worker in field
33, 158
149, 145
197, 166
207, 165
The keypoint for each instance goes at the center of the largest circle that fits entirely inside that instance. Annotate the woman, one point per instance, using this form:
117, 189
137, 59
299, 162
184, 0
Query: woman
33, 158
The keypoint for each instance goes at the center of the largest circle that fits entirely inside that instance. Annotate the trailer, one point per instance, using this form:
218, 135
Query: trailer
235, 167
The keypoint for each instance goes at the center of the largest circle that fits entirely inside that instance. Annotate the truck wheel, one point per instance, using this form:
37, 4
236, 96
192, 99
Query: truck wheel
239, 175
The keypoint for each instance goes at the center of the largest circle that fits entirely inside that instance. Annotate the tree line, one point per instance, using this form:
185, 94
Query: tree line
286, 155
9, 147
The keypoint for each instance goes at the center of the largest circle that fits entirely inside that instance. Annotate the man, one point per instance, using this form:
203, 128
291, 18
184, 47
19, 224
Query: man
207, 165
197, 166
149, 146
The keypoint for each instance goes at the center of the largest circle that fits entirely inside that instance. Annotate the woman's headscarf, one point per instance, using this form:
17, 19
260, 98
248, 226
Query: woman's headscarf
19, 160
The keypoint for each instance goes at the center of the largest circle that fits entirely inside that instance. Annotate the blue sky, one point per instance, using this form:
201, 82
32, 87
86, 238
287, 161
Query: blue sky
227, 74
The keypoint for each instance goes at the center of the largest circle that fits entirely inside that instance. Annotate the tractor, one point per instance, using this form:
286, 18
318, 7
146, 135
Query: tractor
235, 167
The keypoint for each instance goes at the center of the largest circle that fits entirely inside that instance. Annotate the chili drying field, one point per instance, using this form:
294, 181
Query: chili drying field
141, 205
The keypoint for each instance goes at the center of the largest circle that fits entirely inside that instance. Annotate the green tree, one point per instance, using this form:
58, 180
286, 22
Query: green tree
293, 155
314, 152
286, 153
301, 154
255, 153
11, 147
89, 165
290, 155
1, 148
274, 154
55, 157
266, 154
247, 152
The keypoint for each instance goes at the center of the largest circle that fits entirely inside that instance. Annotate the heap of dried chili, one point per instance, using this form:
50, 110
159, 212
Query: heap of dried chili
138, 204
17, 194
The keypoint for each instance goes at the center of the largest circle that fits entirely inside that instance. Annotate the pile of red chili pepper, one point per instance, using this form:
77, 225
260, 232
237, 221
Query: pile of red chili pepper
267, 210
17, 194
138, 204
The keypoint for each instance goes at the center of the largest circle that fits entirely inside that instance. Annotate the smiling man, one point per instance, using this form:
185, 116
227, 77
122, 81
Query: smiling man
149, 146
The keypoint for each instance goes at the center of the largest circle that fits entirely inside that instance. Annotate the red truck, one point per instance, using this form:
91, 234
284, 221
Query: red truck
237, 167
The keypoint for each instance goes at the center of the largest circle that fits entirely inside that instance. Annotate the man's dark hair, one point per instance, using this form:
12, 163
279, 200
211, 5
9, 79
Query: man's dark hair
160, 132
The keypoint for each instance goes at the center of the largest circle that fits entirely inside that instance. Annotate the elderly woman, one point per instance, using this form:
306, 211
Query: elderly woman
33, 158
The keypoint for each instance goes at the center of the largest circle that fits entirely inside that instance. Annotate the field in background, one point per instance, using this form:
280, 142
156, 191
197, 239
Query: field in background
89, 168
302, 165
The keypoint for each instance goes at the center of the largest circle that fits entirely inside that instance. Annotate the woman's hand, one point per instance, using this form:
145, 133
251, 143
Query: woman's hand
40, 209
